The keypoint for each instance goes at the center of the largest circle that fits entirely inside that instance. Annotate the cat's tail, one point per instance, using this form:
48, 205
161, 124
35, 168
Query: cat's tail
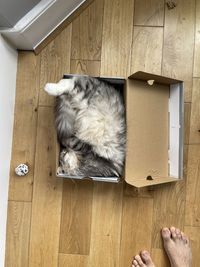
63, 86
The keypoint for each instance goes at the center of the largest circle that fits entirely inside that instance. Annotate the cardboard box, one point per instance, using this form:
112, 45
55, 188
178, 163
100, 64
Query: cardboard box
154, 116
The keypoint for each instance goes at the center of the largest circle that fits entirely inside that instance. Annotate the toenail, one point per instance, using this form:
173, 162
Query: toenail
135, 262
144, 253
165, 230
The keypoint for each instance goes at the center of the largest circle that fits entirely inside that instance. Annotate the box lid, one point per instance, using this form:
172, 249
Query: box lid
147, 129
144, 76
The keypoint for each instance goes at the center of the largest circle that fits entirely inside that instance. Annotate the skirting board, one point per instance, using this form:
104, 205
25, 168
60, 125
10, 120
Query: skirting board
40, 22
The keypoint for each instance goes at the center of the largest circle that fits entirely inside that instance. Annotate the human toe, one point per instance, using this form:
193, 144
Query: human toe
184, 238
134, 263
139, 261
166, 234
173, 232
145, 255
178, 233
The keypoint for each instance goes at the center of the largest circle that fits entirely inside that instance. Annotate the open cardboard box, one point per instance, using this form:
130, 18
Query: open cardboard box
154, 117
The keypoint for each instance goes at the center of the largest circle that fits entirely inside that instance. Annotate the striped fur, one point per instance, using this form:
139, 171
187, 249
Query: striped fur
90, 123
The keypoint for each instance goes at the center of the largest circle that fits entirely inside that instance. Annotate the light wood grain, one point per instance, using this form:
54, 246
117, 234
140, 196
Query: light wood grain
193, 234
149, 13
18, 228
88, 67
106, 224
75, 229
47, 196
55, 61
133, 236
68, 260
160, 258
192, 211
25, 125
166, 212
179, 44
187, 115
131, 191
117, 37
185, 161
196, 71
62, 26
147, 49
195, 113
87, 32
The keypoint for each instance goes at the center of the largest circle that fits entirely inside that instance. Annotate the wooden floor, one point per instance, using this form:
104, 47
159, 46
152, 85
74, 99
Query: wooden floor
54, 222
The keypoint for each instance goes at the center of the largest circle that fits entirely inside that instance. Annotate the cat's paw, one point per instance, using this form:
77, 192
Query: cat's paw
60, 171
71, 160
68, 163
51, 89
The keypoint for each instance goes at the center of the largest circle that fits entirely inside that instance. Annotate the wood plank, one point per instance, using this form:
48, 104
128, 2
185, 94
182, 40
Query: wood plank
87, 32
149, 12
75, 229
187, 114
68, 260
62, 26
192, 211
18, 228
106, 225
55, 61
77, 196
88, 67
166, 213
160, 258
195, 111
47, 196
25, 125
117, 37
131, 191
196, 71
194, 235
134, 238
147, 49
179, 44
185, 159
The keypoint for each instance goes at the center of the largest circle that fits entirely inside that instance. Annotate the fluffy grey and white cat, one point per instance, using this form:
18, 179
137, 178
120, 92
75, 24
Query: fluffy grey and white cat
90, 123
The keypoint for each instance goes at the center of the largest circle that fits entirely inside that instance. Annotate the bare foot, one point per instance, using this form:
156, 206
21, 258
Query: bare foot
143, 260
177, 247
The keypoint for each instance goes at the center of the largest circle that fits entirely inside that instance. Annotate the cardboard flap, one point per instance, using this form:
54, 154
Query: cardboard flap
147, 131
144, 76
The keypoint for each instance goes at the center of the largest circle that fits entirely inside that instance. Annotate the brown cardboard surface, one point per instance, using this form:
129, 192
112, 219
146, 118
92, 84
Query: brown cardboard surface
140, 75
147, 131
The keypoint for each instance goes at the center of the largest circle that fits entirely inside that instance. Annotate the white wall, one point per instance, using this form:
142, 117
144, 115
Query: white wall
8, 69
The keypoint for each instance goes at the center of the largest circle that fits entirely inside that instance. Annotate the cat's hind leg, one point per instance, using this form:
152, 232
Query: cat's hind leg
69, 162
63, 86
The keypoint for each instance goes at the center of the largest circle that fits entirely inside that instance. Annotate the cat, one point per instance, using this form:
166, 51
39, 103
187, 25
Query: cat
90, 124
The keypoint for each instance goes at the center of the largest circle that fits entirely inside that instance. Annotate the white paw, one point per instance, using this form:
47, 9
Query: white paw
51, 89
71, 159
